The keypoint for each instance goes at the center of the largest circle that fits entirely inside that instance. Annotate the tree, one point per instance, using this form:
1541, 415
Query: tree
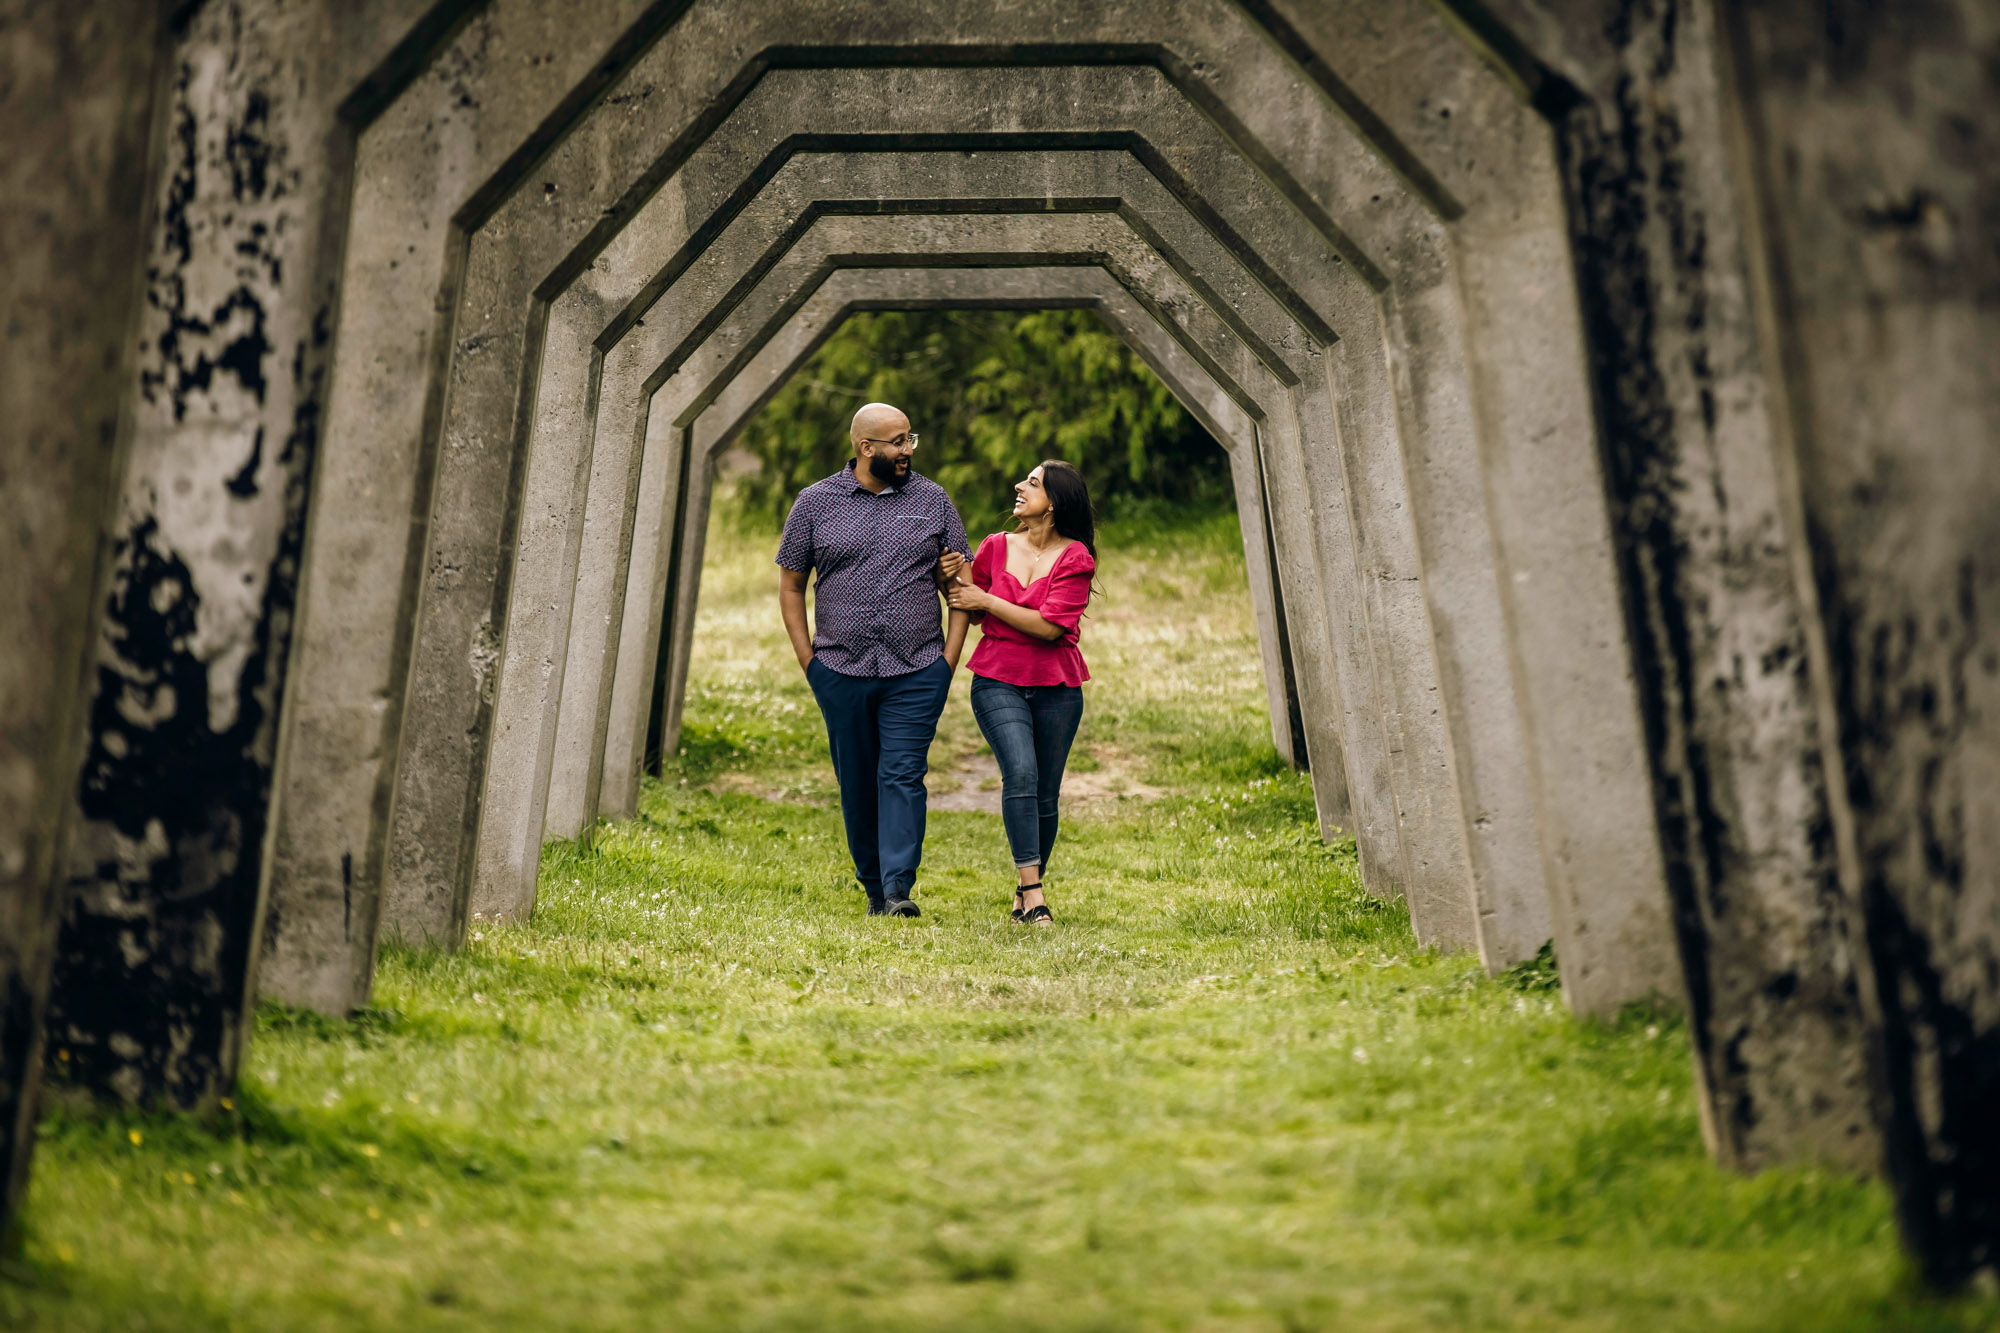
992, 392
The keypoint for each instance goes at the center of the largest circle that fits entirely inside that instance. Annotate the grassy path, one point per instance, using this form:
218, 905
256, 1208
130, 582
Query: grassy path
701, 1090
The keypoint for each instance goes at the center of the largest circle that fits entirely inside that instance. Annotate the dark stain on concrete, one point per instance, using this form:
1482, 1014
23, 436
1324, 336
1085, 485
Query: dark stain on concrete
249, 152
1642, 250
1603, 152
152, 957
1900, 688
244, 484
153, 962
1946, 1164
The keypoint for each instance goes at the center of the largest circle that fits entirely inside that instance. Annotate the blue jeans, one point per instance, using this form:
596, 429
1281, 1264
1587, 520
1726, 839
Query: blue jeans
1030, 728
880, 730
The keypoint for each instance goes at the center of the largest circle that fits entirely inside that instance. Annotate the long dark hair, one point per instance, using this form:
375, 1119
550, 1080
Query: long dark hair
1070, 513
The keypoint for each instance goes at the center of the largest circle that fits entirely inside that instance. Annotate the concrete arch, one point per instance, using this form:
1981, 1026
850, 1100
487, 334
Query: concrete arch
1039, 237
812, 185
1238, 416
1184, 298
807, 187
584, 681
439, 166
1383, 653
1037, 240
1739, 425
621, 386
848, 291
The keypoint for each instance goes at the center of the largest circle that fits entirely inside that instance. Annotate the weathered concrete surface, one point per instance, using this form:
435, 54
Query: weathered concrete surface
448, 141
1704, 505
631, 675
1486, 167
774, 351
72, 228
948, 240
1482, 162
1798, 372
1872, 154
1706, 513
528, 680
952, 238
444, 728
806, 187
779, 210
155, 961
596, 624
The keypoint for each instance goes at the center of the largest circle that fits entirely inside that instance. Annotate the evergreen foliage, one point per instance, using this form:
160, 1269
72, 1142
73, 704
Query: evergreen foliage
992, 393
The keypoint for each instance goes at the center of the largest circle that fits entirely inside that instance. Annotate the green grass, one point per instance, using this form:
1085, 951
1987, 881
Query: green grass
701, 1090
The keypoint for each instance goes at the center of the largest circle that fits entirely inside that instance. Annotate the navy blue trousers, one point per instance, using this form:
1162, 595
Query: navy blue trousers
1029, 728
880, 730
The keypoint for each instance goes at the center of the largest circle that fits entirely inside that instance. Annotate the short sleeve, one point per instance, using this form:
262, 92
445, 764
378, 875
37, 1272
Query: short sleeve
986, 565
1069, 589
954, 529
795, 548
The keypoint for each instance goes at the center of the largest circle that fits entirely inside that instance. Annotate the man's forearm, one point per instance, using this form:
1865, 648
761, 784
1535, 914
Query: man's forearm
792, 606
954, 637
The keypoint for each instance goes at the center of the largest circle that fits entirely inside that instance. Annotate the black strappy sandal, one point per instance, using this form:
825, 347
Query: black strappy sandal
1038, 915
1019, 915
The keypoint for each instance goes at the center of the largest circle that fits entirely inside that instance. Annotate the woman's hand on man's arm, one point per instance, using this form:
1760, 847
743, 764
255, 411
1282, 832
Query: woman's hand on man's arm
968, 597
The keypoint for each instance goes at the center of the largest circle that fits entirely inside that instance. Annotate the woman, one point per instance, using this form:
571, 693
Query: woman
1028, 589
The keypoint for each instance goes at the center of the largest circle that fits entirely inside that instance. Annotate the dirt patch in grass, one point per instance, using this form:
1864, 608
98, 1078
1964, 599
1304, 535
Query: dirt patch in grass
1109, 775
1104, 776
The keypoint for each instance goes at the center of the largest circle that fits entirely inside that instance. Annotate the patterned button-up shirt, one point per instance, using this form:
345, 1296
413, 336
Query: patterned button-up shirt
876, 605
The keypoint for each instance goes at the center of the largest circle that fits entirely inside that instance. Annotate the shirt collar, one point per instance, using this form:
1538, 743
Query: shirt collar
854, 479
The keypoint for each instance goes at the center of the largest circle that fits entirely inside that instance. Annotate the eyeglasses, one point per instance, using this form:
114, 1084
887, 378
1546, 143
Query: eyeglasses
909, 438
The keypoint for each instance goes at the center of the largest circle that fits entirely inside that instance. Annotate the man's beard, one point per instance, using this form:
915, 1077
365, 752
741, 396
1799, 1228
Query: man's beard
884, 468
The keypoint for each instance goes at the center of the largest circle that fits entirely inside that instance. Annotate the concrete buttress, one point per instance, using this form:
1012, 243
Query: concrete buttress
71, 228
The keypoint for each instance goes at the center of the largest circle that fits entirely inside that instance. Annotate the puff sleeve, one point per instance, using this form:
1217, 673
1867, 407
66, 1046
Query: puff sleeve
988, 560
1069, 589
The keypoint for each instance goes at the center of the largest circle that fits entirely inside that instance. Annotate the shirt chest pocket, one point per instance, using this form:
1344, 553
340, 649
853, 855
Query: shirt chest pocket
913, 533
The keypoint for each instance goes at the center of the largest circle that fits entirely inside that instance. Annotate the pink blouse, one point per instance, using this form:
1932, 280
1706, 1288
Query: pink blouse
1005, 653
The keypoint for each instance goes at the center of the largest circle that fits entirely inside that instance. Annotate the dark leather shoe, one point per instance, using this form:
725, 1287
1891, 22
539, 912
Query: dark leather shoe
876, 907
902, 907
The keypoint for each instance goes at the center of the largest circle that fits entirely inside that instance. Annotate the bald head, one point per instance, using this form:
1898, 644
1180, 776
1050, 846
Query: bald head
882, 445
877, 421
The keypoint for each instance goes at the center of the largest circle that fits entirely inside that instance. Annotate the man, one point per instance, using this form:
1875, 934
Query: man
879, 664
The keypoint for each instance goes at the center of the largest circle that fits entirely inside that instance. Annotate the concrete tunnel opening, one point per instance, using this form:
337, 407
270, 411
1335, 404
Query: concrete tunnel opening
1152, 456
